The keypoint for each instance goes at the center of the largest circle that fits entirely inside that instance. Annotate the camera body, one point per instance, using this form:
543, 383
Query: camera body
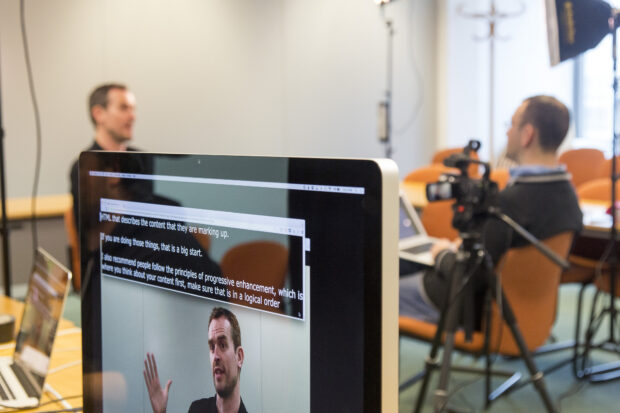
462, 188
472, 196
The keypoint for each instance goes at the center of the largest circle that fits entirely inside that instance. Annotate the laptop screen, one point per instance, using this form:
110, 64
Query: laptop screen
407, 229
408, 224
279, 261
43, 307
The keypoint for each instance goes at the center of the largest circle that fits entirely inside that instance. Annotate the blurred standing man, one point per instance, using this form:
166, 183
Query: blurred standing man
112, 111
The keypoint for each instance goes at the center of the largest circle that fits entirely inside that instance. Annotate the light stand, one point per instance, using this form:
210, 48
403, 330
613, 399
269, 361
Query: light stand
385, 107
574, 26
609, 371
4, 229
614, 178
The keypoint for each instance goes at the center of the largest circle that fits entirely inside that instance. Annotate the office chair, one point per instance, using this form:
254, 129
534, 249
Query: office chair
500, 176
204, 240
437, 219
259, 262
584, 261
583, 164
592, 249
530, 282
583, 265
604, 171
606, 371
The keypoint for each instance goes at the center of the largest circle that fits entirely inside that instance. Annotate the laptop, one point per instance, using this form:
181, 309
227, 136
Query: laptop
414, 244
22, 376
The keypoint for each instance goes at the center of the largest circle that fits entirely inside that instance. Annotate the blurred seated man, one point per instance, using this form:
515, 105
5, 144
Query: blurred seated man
112, 112
539, 197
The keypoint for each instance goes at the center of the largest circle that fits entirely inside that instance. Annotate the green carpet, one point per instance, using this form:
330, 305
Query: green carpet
569, 394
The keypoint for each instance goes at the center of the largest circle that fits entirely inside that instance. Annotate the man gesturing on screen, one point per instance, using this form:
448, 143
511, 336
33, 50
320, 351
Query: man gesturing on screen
226, 355
158, 396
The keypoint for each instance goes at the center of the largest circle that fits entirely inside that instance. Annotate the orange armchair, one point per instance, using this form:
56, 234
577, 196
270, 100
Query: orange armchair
262, 262
583, 164
530, 282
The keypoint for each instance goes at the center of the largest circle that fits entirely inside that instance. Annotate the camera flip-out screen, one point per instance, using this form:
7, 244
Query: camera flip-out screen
438, 191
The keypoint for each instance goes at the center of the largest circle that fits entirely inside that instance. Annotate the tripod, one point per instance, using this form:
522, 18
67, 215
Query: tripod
472, 261
607, 371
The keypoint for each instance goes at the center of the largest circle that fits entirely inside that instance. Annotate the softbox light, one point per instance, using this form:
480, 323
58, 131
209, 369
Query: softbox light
574, 26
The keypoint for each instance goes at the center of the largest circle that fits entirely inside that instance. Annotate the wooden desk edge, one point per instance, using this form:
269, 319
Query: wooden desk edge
47, 206
416, 193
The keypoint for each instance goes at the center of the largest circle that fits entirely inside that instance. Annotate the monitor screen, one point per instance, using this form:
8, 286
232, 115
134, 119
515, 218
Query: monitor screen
266, 282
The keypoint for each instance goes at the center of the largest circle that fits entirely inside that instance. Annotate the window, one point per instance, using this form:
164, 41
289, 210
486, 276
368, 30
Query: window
593, 105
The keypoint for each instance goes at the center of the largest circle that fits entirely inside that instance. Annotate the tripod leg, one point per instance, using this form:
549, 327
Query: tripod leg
589, 336
431, 362
448, 320
451, 308
429, 365
576, 371
536, 375
441, 394
487, 353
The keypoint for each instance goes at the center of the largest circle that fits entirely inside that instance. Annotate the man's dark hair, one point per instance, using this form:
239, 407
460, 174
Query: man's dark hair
550, 117
99, 97
234, 324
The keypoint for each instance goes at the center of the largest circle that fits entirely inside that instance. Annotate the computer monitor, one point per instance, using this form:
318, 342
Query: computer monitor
303, 253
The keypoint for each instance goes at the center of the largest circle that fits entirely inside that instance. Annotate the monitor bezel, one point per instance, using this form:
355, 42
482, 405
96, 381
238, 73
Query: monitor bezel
380, 180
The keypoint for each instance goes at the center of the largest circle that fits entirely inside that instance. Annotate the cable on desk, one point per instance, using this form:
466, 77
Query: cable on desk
61, 350
60, 400
64, 366
8, 346
48, 388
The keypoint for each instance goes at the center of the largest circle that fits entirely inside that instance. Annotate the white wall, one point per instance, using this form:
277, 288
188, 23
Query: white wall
522, 69
282, 77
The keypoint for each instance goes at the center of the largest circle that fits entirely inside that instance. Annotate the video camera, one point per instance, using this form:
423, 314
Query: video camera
473, 196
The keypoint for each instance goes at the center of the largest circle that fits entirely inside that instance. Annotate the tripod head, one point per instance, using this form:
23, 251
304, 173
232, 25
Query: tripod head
475, 201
